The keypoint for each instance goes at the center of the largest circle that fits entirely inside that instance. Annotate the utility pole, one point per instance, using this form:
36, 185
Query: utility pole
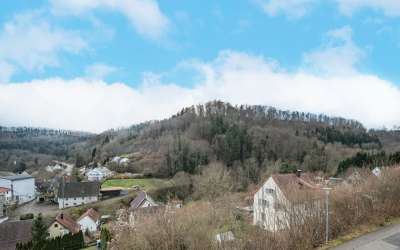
327, 190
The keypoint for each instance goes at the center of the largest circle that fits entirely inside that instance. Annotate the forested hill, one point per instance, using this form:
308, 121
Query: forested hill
25, 147
250, 140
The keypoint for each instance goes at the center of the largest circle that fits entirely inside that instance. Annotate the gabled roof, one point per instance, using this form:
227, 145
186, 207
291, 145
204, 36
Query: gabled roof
292, 185
91, 213
140, 198
14, 232
79, 189
16, 177
68, 223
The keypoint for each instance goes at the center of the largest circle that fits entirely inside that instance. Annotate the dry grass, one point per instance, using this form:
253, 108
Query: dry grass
354, 208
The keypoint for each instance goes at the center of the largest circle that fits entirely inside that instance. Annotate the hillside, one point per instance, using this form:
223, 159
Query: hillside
28, 148
249, 140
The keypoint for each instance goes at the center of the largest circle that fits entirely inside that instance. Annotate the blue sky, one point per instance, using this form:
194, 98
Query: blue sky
126, 61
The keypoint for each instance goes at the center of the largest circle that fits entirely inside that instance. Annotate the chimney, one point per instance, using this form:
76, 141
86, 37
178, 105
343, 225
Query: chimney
62, 216
298, 173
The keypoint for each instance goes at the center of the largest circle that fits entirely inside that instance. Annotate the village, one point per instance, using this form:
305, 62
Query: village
97, 200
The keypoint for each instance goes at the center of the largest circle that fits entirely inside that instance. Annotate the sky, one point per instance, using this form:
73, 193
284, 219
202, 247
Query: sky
92, 65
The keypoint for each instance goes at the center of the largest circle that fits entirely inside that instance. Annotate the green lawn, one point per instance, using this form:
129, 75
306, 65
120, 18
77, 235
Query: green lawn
145, 184
89, 248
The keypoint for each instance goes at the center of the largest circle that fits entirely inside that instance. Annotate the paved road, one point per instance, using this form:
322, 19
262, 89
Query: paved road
387, 238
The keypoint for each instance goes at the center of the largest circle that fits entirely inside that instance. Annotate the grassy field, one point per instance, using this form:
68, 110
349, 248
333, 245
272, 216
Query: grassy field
145, 184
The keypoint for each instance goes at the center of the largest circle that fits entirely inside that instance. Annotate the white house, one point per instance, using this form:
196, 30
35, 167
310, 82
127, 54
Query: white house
89, 221
6, 193
142, 200
73, 194
22, 187
284, 197
3, 209
98, 174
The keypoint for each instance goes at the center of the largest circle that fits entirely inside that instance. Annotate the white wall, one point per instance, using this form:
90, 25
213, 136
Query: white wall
73, 202
22, 190
87, 223
268, 214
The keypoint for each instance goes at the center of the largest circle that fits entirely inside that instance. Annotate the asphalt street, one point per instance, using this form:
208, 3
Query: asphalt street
388, 238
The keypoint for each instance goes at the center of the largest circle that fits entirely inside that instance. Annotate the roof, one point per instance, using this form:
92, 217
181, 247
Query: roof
14, 232
17, 177
79, 189
4, 190
140, 198
68, 223
93, 214
291, 184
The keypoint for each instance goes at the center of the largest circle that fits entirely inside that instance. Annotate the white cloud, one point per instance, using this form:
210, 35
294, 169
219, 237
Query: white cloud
239, 78
30, 43
388, 7
99, 70
338, 56
145, 15
290, 8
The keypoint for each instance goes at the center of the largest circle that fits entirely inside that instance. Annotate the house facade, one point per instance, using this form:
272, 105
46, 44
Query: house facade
282, 198
3, 207
22, 187
89, 221
142, 200
62, 225
98, 174
73, 194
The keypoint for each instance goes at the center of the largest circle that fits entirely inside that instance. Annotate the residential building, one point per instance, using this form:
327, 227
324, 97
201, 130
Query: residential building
89, 221
3, 207
22, 187
6, 192
72, 194
284, 197
142, 200
98, 174
13, 232
62, 225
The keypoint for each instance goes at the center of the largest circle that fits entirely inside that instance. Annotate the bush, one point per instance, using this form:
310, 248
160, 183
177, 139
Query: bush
26, 216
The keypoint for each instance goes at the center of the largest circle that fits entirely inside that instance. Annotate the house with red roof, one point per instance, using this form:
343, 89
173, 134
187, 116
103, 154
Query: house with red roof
284, 199
89, 220
62, 225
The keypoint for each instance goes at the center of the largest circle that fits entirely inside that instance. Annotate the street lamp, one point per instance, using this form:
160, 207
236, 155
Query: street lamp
327, 190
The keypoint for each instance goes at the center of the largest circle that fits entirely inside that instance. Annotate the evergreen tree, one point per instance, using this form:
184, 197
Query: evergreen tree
39, 233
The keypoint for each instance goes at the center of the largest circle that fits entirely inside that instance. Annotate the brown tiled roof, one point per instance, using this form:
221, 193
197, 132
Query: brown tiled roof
93, 214
4, 189
68, 223
14, 232
291, 185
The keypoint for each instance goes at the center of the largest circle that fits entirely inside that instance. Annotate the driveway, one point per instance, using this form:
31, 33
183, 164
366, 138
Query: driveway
388, 238
47, 209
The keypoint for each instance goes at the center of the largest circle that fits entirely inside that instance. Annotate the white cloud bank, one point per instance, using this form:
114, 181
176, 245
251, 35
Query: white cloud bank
290, 8
240, 78
389, 7
144, 15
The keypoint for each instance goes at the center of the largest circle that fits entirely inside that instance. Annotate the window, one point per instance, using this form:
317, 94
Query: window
269, 191
74, 198
56, 225
263, 202
263, 216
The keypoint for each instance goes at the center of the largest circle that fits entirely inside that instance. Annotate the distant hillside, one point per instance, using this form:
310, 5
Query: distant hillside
25, 147
250, 140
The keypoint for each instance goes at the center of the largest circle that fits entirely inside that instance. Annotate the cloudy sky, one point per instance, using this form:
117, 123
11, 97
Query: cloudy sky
97, 64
